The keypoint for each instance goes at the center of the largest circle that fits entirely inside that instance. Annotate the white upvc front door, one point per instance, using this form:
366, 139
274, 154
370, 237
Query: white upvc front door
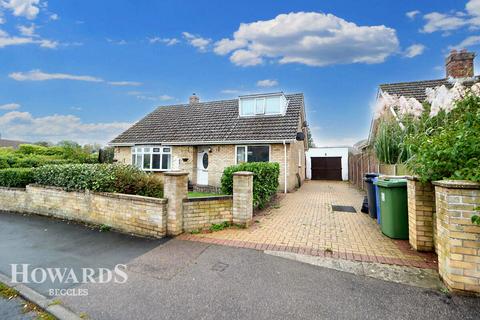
202, 166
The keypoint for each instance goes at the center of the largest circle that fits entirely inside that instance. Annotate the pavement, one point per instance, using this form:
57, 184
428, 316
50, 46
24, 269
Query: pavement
305, 223
193, 280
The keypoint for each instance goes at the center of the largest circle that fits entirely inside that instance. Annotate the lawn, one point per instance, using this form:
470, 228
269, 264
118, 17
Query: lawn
195, 194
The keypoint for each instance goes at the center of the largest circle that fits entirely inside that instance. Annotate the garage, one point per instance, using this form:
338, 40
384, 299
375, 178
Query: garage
326, 168
328, 163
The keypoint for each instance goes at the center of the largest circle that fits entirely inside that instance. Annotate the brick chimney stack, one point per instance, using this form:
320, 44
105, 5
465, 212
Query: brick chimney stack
194, 99
459, 64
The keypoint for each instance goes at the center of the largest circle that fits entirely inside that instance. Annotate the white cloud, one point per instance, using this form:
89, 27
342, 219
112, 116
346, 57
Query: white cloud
23, 8
414, 50
124, 83
310, 38
9, 106
163, 97
24, 126
412, 14
38, 75
267, 83
7, 40
166, 41
117, 42
467, 42
54, 17
27, 31
436, 21
196, 41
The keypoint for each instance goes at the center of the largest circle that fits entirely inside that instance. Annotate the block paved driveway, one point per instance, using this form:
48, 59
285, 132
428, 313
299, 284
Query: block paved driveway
305, 223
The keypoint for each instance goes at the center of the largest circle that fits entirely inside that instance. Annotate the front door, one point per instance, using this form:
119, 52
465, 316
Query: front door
202, 167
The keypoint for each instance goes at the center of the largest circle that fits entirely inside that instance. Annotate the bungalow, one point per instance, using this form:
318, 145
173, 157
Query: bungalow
203, 138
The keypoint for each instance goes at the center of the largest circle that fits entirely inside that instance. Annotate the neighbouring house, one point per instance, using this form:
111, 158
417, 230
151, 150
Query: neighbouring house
459, 67
327, 163
203, 138
11, 143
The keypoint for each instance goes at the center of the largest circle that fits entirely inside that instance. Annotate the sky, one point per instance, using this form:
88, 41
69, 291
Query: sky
86, 70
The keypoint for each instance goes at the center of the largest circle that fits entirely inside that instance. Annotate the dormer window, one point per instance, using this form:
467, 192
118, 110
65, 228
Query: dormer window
270, 104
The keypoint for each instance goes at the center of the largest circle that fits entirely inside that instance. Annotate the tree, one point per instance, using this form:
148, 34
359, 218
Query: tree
311, 144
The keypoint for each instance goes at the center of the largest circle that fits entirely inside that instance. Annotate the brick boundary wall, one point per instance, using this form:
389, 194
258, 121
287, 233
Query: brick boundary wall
458, 239
421, 208
201, 213
132, 214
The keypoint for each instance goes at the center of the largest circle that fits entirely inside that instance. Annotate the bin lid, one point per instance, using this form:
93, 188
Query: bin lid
371, 175
391, 183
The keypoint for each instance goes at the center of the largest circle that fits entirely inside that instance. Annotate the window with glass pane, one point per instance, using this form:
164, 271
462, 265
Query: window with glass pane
247, 107
258, 154
273, 105
240, 154
152, 158
260, 106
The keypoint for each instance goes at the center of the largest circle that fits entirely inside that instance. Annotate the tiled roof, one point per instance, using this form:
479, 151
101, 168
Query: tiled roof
215, 121
416, 89
11, 143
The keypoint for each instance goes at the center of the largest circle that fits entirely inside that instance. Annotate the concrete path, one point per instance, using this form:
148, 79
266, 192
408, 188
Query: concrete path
193, 280
305, 223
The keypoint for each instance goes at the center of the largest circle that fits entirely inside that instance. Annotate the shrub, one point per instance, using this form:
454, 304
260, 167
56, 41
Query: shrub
451, 148
100, 178
265, 180
16, 178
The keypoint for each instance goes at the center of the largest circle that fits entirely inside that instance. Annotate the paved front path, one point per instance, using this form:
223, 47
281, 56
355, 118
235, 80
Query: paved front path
305, 223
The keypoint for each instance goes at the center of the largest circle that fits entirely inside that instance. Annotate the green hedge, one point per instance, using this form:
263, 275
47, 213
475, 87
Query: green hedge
265, 180
16, 178
100, 178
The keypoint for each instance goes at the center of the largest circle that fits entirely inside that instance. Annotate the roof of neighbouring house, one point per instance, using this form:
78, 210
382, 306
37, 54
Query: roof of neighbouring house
214, 121
11, 143
416, 89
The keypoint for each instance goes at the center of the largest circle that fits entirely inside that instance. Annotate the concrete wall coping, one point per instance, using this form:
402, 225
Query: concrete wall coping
208, 198
12, 189
457, 184
412, 178
175, 173
132, 197
243, 173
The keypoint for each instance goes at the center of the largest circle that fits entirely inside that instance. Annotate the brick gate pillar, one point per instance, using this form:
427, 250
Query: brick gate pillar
243, 198
421, 208
175, 190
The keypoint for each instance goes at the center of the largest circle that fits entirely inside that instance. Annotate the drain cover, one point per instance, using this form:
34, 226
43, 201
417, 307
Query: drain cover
344, 208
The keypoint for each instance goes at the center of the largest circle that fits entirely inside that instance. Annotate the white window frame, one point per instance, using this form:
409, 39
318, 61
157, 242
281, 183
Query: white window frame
252, 145
263, 99
140, 150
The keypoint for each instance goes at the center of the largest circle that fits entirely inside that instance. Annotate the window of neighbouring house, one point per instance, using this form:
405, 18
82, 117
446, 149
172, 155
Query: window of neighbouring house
252, 154
152, 158
272, 104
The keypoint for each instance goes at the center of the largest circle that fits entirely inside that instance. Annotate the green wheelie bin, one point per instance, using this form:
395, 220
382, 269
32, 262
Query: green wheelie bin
394, 208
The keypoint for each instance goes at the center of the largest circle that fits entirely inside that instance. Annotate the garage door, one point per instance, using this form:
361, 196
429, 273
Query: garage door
326, 168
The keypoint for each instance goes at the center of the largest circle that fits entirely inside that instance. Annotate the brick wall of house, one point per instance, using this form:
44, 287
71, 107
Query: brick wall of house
201, 213
127, 213
222, 156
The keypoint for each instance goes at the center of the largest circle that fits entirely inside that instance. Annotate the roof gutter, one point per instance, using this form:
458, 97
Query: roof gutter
199, 143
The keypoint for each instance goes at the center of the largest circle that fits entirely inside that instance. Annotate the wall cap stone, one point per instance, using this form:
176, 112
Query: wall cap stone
457, 184
13, 189
243, 173
175, 173
208, 198
412, 178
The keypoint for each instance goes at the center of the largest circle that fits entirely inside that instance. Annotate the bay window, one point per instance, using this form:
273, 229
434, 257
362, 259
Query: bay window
152, 158
252, 154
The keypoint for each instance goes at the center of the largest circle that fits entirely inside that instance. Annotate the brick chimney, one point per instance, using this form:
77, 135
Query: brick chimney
194, 99
459, 64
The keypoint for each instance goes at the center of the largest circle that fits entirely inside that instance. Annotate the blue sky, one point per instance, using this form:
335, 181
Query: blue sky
85, 70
